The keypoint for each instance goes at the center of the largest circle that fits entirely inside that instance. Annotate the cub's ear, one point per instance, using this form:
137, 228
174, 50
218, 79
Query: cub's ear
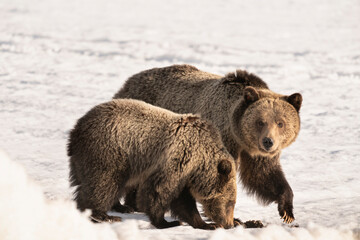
224, 167
295, 100
250, 95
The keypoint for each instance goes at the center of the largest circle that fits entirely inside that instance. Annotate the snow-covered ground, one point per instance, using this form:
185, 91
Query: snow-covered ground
59, 58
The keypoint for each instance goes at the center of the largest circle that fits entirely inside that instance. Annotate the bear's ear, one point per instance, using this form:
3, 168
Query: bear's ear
224, 167
295, 100
250, 95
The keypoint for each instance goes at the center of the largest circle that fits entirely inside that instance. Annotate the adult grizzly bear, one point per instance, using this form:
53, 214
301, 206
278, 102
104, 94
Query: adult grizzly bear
172, 160
255, 123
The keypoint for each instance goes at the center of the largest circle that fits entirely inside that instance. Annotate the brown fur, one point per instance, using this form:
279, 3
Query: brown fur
234, 103
172, 160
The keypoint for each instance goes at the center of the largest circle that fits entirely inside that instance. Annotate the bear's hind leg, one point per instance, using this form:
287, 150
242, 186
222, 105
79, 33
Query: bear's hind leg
184, 207
99, 193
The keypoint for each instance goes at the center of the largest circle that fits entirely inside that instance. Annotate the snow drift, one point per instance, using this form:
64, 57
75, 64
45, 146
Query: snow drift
27, 214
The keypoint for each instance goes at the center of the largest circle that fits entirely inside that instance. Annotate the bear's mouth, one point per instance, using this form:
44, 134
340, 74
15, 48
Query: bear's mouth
267, 152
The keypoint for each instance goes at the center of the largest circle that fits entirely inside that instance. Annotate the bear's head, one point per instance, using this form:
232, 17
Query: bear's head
217, 193
220, 208
212, 174
264, 122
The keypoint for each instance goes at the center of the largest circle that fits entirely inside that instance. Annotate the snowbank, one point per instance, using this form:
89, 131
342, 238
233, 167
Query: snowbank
26, 214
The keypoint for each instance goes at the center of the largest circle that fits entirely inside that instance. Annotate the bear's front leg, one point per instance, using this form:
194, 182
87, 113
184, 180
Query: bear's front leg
154, 197
283, 195
158, 221
156, 212
285, 205
263, 177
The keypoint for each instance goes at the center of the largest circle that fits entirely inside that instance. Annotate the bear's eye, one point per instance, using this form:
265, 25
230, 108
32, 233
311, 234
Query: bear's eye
280, 124
260, 123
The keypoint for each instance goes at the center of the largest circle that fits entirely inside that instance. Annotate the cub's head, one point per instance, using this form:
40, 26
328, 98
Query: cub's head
218, 193
264, 122
212, 177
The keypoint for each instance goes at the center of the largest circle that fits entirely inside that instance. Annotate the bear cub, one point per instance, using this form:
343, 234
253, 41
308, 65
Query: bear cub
173, 160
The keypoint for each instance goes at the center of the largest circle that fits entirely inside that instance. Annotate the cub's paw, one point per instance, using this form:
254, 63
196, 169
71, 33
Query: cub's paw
287, 217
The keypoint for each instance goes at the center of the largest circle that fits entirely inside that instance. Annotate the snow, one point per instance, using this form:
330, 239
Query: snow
27, 214
60, 58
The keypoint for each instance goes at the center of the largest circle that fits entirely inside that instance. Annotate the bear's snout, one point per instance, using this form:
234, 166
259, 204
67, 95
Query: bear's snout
267, 143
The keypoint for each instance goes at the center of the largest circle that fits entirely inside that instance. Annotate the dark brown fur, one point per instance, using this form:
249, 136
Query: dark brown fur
270, 182
226, 102
171, 159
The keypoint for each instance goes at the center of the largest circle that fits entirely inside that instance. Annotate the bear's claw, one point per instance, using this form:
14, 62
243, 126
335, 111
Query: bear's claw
287, 219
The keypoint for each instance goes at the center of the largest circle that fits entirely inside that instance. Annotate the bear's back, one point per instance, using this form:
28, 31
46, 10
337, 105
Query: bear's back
168, 87
130, 125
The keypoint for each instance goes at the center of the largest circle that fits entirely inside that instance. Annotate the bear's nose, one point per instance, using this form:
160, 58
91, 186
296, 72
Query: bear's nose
268, 143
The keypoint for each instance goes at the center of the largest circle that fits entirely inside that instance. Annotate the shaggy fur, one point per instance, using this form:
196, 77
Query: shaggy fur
172, 160
246, 112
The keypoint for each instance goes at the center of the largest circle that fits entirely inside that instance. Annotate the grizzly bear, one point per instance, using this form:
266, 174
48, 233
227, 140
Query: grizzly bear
255, 123
173, 160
